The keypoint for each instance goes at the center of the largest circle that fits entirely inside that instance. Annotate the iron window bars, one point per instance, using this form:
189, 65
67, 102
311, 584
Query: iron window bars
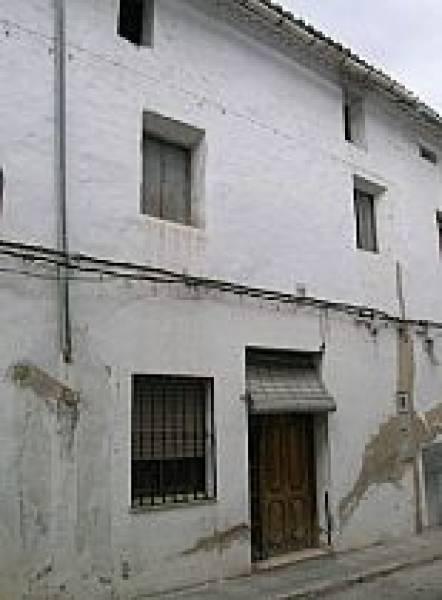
173, 441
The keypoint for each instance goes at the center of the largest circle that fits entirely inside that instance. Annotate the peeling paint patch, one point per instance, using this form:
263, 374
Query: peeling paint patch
28, 376
388, 454
58, 397
220, 540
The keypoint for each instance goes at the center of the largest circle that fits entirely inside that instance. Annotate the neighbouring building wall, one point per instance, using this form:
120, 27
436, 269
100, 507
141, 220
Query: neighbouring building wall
277, 212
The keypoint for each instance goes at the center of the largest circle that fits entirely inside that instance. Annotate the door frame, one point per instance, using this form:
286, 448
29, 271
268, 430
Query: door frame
321, 482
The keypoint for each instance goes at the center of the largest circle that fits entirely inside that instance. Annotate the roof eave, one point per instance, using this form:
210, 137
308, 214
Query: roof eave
346, 61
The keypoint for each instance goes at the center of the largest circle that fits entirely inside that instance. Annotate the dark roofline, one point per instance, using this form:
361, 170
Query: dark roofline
348, 61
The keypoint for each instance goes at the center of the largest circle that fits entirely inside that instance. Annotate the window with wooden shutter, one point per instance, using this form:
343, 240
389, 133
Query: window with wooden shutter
166, 180
364, 205
172, 440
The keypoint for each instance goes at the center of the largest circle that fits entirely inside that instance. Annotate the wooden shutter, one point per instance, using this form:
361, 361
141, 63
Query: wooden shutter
166, 180
175, 183
151, 204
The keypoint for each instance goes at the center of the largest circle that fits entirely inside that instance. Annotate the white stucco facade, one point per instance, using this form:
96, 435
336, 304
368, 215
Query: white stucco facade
275, 212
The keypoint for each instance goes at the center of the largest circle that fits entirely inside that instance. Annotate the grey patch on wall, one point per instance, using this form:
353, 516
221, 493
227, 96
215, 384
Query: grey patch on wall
28, 376
58, 397
389, 453
220, 540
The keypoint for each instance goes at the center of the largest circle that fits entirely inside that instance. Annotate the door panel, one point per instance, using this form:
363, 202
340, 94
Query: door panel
283, 484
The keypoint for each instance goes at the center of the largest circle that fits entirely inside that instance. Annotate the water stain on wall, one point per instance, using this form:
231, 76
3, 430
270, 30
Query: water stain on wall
220, 540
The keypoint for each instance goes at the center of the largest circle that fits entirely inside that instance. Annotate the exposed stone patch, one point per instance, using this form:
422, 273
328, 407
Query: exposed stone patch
58, 397
390, 452
220, 540
27, 375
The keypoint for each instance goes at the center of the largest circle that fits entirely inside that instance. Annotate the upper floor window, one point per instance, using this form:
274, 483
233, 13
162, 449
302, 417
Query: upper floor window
365, 215
354, 119
439, 230
136, 21
166, 193
173, 168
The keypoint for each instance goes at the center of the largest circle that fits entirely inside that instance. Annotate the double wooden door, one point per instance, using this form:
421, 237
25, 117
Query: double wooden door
283, 502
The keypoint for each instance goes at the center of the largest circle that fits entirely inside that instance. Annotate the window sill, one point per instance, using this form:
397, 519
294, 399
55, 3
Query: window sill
366, 252
171, 224
141, 510
360, 146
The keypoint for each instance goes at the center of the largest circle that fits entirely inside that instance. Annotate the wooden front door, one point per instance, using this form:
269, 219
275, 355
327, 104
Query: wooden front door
283, 503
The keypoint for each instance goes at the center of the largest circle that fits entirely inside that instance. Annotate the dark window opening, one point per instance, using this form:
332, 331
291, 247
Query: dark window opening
439, 229
428, 155
354, 119
347, 122
2, 185
135, 21
172, 440
365, 215
166, 180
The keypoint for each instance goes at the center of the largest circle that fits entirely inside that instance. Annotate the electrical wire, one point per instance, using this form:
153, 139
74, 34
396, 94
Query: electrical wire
83, 263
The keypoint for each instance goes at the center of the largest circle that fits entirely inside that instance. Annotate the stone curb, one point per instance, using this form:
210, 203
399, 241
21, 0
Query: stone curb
332, 586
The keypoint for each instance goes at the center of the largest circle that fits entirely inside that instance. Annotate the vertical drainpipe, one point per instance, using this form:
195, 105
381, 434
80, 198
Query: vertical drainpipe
406, 367
64, 324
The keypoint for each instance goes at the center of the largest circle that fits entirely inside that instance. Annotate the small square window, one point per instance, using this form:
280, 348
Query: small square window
173, 441
136, 21
439, 230
354, 119
365, 215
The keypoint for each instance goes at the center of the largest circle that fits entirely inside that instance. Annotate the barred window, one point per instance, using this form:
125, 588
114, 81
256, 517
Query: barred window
173, 449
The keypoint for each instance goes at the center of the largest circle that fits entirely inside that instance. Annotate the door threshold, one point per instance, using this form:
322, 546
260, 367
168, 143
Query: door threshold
289, 559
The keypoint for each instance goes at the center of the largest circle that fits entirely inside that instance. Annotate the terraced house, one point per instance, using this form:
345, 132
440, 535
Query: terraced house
220, 296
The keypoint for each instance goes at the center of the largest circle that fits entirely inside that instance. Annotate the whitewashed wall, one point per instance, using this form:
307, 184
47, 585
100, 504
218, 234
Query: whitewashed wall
278, 212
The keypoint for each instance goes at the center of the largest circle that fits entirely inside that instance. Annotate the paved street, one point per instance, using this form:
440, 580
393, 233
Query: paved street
420, 583
405, 569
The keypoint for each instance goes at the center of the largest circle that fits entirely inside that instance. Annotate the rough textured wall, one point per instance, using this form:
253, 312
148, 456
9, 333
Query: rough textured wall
278, 206
70, 496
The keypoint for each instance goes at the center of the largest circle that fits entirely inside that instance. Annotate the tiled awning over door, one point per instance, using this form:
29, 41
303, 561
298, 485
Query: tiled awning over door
274, 387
